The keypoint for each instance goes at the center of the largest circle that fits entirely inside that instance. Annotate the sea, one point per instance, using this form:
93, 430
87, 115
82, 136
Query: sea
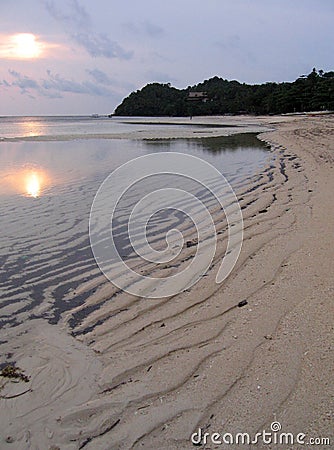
51, 170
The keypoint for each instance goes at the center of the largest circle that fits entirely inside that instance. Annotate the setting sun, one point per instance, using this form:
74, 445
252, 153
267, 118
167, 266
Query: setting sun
26, 46
21, 46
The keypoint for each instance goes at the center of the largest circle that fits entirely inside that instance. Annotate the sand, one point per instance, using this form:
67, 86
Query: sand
155, 371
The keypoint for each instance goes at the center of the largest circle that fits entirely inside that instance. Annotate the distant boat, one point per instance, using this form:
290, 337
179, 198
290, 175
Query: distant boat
96, 116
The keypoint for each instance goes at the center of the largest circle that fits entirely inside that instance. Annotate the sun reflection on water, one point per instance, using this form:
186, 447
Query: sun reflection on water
28, 181
33, 184
31, 128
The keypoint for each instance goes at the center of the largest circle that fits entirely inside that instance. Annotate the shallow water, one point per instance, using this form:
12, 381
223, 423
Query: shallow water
69, 127
27, 126
46, 192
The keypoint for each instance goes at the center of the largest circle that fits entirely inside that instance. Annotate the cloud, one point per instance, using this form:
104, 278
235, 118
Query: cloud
100, 77
58, 83
144, 28
99, 44
153, 30
78, 25
27, 84
54, 86
78, 17
121, 86
23, 82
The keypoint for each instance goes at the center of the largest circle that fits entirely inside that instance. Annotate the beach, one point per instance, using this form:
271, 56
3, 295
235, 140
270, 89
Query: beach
137, 373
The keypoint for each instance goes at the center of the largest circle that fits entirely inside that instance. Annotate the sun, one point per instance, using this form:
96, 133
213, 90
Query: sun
21, 46
26, 46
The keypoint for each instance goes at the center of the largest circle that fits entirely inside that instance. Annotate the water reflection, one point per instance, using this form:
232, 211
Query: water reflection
33, 168
214, 145
228, 143
29, 181
33, 184
46, 194
31, 128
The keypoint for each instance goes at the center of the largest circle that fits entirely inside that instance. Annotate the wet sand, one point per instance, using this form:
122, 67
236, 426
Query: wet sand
147, 374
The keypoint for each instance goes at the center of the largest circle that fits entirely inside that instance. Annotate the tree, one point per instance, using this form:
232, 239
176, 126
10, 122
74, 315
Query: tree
314, 91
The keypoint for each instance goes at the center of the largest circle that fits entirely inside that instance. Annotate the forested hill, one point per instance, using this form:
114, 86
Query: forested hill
313, 92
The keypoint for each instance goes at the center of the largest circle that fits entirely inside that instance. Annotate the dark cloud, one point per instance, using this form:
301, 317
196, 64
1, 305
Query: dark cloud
54, 86
78, 24
60, 84
57, 83
23, 82
27, 85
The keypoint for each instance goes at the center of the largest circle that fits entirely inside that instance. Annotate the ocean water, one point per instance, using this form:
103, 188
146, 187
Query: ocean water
59, 126
46, 193
68, 127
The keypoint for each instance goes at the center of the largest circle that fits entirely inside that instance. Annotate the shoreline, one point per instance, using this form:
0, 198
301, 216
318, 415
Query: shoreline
165, 128
159, 370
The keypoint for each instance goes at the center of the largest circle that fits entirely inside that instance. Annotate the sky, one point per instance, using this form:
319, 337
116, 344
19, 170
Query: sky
84, 56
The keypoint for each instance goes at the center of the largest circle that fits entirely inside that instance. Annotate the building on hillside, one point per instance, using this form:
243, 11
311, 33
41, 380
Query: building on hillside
198, 96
